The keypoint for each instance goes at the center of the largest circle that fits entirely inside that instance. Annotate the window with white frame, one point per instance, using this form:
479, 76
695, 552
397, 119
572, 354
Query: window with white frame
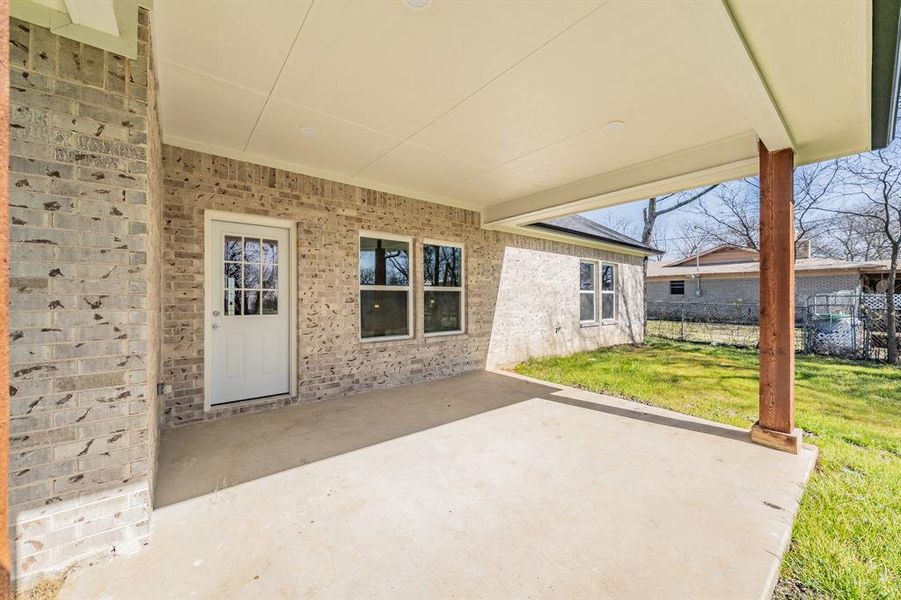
677, 287
443, 295
608, 292
588, 291
385, 290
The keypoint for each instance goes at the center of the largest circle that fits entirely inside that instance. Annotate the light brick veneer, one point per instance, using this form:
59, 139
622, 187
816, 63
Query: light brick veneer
521, 292
744, 290
84, 297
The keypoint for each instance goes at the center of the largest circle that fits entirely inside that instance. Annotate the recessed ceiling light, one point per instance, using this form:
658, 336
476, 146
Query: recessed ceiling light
308, 131
613, 125
418, 3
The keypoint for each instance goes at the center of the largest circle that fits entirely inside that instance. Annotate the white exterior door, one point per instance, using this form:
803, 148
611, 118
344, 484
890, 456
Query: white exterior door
248, 299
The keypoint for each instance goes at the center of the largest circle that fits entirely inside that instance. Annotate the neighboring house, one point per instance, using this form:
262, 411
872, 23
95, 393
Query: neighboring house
730, 275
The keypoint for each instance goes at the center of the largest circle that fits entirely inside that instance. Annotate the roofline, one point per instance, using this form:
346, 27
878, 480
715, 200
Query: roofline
680, 261
858, 269
571, 232
886, 61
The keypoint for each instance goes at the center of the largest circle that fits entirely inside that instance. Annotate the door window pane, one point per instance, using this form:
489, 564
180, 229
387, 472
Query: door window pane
384, 262
383, 313
232, 275
270, 302
270, 277
251, 250
442, 311
607, 306
232, 303
270, 252
232, 248
251, 276
586, 307
251, 302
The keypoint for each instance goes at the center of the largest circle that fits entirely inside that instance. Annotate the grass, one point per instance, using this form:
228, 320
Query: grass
846, 541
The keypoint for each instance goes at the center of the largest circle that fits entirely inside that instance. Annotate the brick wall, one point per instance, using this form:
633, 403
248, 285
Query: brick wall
747, 290
521, 292
82, 305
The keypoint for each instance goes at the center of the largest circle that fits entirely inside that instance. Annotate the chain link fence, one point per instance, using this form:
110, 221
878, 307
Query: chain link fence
848, 325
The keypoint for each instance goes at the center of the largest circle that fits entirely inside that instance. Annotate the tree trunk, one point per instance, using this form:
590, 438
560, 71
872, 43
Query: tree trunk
891, 320
650, 216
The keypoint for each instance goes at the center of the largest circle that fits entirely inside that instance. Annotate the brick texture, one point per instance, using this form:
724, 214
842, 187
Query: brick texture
85, 226
747, 290
521, 292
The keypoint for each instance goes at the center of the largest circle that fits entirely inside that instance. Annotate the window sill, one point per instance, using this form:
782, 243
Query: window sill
439, 334
589, 324
386, 338
607, 322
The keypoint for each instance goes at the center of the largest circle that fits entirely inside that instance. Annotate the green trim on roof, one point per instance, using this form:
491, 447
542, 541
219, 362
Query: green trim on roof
886, 64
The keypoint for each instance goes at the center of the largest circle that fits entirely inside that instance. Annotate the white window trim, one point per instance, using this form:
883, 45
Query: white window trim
386, 288
671, 282
594, 292
612, 292
461, 289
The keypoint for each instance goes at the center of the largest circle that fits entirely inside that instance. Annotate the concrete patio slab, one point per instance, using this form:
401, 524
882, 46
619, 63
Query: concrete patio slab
547, 492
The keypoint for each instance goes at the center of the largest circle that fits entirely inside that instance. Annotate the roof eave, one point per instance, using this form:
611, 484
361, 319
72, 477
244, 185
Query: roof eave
645, 250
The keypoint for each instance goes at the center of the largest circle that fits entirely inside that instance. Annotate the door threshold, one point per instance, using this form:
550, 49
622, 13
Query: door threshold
258, 400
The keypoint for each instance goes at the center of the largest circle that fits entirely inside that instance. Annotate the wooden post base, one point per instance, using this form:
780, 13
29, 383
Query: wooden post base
787, 442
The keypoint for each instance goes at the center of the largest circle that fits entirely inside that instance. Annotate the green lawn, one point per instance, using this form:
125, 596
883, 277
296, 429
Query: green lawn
847, 538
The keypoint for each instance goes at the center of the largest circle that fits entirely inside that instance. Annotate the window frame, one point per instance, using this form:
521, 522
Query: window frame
411, 309
436, 288
595, 264
671, 282
602, 291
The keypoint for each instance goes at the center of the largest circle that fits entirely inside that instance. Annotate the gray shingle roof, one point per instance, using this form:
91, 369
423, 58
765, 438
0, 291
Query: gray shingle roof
585, 227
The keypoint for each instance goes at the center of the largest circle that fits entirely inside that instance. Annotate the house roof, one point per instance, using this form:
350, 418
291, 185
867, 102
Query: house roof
580, 226
748, 252
657, 270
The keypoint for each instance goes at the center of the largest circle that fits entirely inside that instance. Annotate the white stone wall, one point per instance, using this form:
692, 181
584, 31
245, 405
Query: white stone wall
537, 310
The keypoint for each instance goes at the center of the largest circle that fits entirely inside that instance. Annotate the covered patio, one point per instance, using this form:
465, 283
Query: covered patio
204, 196
480, 485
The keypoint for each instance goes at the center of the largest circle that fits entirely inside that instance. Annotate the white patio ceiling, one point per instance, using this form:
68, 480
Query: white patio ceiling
522, 110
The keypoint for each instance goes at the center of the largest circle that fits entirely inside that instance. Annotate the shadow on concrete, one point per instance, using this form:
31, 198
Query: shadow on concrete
722, 431
202, 458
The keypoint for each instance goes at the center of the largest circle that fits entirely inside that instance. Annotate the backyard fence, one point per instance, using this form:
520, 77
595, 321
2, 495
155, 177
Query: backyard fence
849, 325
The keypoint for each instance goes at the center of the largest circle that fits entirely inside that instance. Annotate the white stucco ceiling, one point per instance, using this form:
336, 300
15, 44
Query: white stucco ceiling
504, 106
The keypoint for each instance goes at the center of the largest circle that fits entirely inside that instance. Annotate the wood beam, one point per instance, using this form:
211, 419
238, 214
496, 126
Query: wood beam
739, 70
776, 424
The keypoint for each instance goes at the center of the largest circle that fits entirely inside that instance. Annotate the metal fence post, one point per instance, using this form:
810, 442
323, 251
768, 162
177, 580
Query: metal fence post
682, 325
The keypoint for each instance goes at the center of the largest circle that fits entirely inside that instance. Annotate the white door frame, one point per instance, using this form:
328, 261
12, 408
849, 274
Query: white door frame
210, 300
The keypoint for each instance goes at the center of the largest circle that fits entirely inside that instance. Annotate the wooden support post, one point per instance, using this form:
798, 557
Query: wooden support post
5, 568
776, 424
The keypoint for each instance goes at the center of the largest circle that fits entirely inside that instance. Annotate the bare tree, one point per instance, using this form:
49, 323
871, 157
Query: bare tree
656, 208
852, 238
871, 183
732, 216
